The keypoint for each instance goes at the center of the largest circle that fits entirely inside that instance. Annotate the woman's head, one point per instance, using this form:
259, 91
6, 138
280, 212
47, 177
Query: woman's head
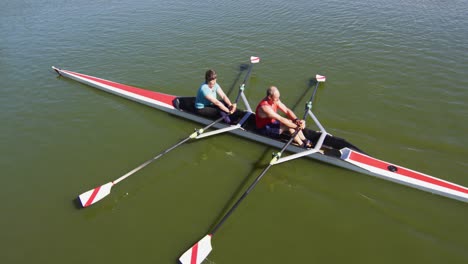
210, 75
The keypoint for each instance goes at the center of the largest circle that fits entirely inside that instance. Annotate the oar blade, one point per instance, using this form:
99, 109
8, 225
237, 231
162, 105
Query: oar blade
93, 196
320, 78
254, 59
198, 252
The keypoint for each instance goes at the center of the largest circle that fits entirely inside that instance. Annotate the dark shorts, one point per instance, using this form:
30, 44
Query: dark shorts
209, 111
271, 130
213, 112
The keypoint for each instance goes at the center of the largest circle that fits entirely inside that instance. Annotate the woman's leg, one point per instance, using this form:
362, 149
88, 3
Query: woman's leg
213, 112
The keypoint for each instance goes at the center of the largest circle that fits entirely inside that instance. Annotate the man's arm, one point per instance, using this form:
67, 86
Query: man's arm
288, 112
292, 116
269, 113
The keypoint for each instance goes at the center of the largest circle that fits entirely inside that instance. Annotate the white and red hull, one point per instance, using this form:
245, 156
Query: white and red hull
350, 159
395, 173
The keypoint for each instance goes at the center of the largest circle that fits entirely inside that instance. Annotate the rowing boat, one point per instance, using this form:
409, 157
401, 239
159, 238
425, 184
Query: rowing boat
328, 148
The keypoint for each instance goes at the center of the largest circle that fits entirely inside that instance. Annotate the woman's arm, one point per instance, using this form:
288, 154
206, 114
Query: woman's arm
231, 107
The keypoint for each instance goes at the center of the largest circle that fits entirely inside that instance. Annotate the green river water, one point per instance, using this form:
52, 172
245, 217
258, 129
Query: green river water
397, 87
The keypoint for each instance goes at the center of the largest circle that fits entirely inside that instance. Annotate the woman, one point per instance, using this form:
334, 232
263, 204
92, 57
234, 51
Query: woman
206, 102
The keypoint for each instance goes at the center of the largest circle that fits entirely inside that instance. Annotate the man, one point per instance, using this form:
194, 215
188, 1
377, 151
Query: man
270, 123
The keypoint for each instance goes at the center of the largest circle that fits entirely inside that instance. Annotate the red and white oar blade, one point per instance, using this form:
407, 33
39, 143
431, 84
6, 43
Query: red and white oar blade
320, 78
92, 196
254, 59
198, 252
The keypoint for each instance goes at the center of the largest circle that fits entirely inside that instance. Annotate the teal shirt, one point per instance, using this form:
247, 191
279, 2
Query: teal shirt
203, 91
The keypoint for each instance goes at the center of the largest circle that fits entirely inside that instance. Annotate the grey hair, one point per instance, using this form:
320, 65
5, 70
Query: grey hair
271, 90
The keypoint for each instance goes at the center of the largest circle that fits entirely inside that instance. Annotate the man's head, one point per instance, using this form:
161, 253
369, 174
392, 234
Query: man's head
273, 94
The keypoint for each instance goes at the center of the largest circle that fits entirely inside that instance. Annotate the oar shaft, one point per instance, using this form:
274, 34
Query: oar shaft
259, 177
253, 184
317, 81
193, 135
198, 132
244, 82
310, 102
149, 161
272, 162
315, 91
248, 73
225, 217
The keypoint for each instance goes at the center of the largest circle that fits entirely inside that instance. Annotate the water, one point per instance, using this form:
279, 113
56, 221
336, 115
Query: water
396, 86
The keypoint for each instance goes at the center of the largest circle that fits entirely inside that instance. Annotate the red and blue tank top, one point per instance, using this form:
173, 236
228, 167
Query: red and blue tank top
260, 121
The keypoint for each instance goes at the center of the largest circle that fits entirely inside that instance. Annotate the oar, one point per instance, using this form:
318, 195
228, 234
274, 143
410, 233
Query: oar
253, 60
200, 250
319, 79
242, 68
92, 196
